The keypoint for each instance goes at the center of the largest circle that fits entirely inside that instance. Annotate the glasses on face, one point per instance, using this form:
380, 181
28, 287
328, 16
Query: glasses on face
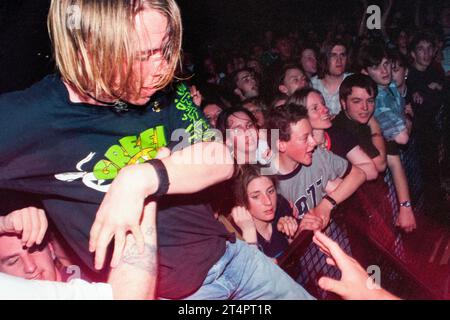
240, 130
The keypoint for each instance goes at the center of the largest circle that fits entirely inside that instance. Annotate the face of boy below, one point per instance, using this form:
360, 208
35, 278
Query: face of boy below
301, 145
380, 73
359, 105
262, 199
151, 30
34, 263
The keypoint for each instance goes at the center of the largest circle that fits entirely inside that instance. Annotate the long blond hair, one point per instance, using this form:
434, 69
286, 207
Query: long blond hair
92, 40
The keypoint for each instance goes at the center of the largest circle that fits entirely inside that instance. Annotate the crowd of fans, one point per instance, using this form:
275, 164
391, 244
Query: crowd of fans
305, 118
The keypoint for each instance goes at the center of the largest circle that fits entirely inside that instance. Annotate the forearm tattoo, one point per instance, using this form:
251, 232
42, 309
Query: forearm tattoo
147, 260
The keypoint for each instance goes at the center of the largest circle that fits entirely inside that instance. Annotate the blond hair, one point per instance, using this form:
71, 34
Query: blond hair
92, 40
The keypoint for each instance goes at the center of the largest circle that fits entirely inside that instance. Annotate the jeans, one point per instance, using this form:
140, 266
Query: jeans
245, 273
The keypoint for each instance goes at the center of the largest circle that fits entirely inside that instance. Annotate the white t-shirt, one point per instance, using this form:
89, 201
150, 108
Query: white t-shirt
331, 98
14, 288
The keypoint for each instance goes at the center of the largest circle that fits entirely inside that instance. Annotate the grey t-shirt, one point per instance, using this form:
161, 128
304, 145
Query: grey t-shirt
305, 186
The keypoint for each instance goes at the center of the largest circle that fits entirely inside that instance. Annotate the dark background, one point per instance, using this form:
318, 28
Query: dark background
25, 51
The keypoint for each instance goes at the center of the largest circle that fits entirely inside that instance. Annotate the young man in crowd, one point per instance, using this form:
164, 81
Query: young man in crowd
94, 127
331, 72
245, 84
307, 174
358, 99
28, 269
426, 85
291, 78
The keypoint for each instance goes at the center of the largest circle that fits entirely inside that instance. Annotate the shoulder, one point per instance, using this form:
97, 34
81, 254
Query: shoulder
38, 95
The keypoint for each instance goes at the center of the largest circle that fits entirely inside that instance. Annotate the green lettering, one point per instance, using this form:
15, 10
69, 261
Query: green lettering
118, 156
105, 170
130, 145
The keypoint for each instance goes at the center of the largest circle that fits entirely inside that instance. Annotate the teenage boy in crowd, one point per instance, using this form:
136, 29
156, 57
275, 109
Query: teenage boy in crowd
307, 175
427, 87
333, 60
358, 94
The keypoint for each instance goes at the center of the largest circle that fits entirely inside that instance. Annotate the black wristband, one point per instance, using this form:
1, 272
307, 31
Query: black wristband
331, 200
163, 177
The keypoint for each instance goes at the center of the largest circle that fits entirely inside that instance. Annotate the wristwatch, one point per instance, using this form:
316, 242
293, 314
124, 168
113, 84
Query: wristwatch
405, 204
331, 200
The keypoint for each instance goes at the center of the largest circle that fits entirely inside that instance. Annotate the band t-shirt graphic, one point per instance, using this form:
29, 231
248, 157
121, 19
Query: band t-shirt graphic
68, 154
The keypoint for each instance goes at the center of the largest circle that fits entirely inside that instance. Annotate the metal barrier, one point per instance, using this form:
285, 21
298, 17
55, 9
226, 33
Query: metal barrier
412, 266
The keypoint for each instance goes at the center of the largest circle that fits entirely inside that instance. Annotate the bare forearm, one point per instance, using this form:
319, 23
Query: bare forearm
191, 169
135, 276
349, 185
399, 176
378, 142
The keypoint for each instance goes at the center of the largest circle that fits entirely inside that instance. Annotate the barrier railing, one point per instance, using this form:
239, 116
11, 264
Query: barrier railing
413, 266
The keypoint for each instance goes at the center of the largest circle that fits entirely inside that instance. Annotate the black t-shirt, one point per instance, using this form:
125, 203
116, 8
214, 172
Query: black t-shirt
278, 241
419, 81
341, 141
68, 153
360, 131
275, 247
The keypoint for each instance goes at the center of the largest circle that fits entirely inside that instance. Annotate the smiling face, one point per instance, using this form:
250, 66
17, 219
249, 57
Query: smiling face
318, 112
34, 263
262, 199
359, 105
301, 145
